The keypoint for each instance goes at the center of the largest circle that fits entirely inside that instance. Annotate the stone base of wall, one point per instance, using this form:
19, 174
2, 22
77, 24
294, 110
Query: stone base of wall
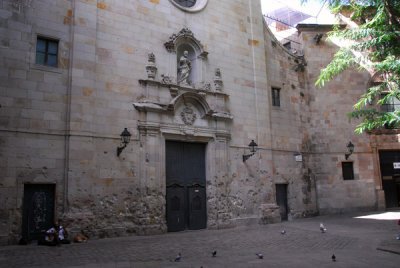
302, 214
327, 211
380, 199
246, 221
269, 214
5, 240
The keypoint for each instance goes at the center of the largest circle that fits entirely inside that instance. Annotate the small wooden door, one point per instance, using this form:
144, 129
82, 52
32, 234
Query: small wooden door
38, 209
186, 194
281, 200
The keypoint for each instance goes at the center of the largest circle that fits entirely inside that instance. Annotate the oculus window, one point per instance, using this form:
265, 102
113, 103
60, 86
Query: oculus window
190, 5
46, 51
186, 3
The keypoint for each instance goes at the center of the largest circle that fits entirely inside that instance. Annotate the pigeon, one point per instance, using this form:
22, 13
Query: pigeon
283, 232
178, 257
259, 255
214, 253
322, 227
333, 257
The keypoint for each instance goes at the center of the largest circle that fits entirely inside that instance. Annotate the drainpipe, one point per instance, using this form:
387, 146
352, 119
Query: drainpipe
68, 110
254, 68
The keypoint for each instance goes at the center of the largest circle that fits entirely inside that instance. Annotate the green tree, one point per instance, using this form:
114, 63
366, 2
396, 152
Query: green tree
373, 46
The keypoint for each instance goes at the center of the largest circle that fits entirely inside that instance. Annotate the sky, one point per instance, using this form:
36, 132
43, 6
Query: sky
315, 8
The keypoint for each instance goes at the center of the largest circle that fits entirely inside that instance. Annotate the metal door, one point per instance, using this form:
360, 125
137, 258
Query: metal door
185, 176
38, 209
390, 177
281, 200
197, 208
176, 208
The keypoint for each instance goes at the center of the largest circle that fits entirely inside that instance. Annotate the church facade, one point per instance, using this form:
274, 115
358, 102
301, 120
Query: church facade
154, 116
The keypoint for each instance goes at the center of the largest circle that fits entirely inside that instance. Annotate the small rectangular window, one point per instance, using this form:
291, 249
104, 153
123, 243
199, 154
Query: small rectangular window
276, 101
46, 51
347, 169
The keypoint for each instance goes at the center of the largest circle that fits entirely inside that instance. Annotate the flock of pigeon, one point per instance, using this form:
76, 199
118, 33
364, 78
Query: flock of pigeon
260, 255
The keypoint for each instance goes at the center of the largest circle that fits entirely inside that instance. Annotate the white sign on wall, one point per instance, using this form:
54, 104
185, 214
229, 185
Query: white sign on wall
396, 165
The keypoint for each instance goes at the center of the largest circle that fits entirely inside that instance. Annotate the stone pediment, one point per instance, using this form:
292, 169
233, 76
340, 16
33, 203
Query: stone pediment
190, 97
193, 99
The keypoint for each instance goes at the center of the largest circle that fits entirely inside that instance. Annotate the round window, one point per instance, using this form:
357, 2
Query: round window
186, 3
190, 5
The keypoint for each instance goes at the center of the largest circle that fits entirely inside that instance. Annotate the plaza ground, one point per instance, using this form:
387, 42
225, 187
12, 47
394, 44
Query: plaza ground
358, 240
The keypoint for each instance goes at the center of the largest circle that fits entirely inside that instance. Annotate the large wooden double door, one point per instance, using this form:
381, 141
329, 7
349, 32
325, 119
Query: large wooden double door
186, 186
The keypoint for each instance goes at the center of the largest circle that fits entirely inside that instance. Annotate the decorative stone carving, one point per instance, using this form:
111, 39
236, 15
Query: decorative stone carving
206, 86
185, 33
184, 69
203, 55
151, 67
18, 5
218, 83
165, 79
188, 115
301, 64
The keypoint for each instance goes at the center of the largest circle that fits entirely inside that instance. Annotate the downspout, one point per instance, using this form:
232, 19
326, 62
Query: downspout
254, 69
68, 110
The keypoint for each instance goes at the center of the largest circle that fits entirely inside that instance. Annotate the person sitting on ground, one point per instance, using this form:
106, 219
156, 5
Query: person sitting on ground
62, 234
50, 237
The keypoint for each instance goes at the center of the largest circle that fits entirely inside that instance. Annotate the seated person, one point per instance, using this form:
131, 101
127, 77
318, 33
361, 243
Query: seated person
50, 237
54, 236
62, 234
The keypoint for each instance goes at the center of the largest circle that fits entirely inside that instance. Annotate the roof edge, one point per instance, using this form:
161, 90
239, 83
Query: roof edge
309, 27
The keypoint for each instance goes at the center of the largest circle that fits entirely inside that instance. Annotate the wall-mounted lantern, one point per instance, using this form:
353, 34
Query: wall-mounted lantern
253, 149
125, 138
350, 148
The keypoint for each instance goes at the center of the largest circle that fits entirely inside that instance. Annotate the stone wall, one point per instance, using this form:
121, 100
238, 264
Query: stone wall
33, 105
331, 130
61, 125
290, 133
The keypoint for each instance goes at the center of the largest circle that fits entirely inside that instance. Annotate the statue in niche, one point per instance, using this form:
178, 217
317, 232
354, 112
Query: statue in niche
184, 69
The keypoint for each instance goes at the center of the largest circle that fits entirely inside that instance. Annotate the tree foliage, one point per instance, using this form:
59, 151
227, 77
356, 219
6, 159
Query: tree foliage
374, 46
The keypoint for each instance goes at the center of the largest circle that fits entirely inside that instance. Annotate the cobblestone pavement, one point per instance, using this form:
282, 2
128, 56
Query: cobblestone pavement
355, 242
